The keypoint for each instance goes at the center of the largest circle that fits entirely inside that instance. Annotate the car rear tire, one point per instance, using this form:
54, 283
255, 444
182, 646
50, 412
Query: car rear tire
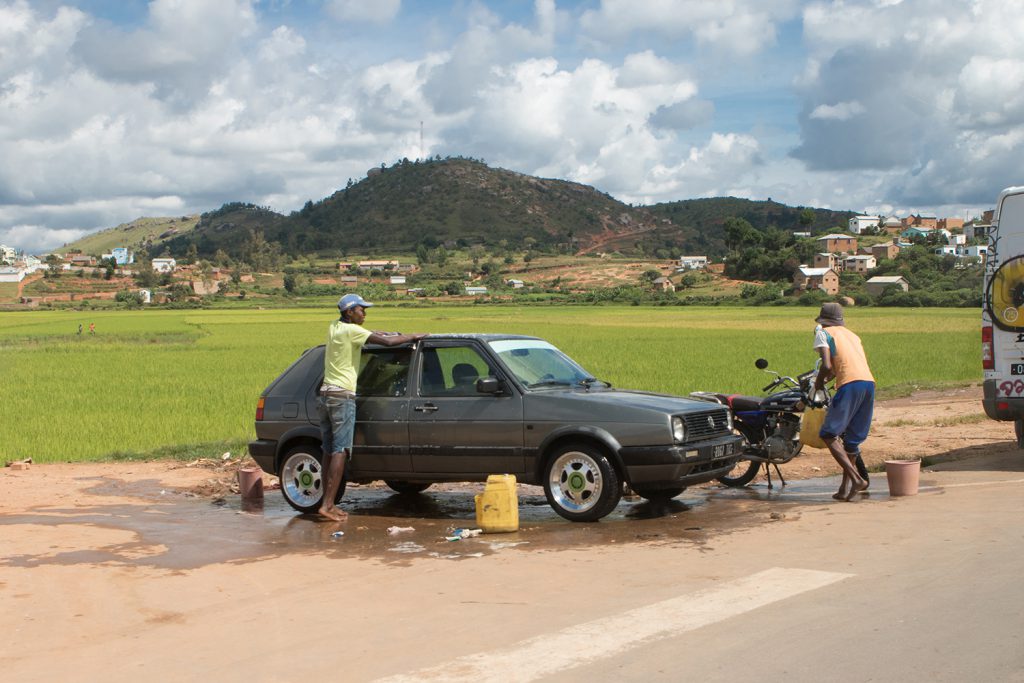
659, 494
302, 479
580, 484
1018, 430
406, 487
742, 474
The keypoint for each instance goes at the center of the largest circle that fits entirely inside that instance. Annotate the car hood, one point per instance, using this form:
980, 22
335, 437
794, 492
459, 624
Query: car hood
614, 405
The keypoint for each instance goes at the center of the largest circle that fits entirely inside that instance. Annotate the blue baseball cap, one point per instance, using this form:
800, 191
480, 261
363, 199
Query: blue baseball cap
349, 300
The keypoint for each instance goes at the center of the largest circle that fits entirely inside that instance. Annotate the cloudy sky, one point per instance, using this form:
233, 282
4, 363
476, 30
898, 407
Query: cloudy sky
115, 109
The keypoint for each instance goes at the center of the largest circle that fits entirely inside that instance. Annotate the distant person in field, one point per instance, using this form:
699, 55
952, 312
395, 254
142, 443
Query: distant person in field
79, 328
337, 405
92, 328
849, 415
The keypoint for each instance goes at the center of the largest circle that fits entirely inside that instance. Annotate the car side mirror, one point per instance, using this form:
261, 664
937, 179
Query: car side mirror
760, 363
488, 385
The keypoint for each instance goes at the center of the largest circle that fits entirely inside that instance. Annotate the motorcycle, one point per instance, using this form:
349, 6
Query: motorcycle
770, 424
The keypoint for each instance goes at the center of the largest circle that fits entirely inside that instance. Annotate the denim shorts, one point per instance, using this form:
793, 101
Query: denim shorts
850, 414
337, 423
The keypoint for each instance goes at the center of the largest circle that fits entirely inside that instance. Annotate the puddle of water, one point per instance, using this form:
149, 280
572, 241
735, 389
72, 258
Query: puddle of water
177, 532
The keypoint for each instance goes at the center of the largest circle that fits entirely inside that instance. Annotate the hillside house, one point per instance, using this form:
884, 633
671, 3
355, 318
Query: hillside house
476, 291
825, 279
164, 265
11, 274
859, 264
950, 224
349, 280
8, 254
957, 238
977, 231
838, 243
887, 250
825, 260
978, 251
204, 287
83, 260
514, 284
859, 223
122, 256
801, 234
663, 284
892, 225
921, 221
378, 265
693, 262
877, 284
916, 232
397, 279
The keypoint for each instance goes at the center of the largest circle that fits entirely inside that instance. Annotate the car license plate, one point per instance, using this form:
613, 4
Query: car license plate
722, 450
1017, 368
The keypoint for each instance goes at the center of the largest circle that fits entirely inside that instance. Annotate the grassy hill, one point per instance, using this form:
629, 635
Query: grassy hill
150, 233
460, 202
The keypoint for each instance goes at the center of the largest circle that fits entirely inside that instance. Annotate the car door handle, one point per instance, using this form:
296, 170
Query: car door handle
425, 408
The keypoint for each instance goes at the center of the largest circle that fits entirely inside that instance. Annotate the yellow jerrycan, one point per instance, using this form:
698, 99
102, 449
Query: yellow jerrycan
497, 508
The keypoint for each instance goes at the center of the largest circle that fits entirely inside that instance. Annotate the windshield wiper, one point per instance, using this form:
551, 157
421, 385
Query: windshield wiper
589, 381
550, 383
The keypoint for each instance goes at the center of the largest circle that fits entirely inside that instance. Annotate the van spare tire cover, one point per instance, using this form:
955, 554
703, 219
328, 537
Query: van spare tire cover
1006, 295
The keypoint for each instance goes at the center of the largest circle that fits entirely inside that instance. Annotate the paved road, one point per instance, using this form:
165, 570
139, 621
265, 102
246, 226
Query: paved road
720, 586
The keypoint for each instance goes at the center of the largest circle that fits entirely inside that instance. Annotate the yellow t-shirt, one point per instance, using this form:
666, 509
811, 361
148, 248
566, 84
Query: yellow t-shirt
341, 359
848, 359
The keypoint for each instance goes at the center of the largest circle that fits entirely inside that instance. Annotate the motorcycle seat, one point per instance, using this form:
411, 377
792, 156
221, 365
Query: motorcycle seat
741, 404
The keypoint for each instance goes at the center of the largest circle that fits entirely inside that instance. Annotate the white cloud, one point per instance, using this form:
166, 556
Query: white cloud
842, 111
36, 239
373, 12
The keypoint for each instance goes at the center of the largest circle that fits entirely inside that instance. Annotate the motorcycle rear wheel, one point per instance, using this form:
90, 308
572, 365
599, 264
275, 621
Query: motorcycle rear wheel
742, 474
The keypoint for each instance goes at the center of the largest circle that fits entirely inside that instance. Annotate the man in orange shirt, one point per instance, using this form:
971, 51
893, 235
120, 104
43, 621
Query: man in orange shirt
849, 415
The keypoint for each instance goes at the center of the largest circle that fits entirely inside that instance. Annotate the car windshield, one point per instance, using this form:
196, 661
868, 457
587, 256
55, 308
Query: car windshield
537, 363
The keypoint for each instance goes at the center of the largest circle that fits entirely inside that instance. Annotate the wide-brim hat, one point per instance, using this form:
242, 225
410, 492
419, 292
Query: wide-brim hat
830, 314
351, 300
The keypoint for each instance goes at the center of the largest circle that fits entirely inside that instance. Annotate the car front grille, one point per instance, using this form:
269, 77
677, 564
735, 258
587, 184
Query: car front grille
706, 424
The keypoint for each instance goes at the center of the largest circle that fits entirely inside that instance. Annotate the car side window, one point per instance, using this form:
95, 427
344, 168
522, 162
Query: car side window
384, 372
452, 371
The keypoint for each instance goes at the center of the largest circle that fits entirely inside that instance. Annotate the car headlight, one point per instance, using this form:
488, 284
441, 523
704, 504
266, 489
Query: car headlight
728, 420
678, 430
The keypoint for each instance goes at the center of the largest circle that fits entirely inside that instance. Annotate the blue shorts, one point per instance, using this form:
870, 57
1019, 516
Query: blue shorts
337, 423
849, 415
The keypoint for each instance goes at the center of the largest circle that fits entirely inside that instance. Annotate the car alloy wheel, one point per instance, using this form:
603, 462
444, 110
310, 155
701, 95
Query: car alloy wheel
580, 484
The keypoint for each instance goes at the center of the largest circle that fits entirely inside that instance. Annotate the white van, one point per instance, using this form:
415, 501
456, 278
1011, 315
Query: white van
1002, 315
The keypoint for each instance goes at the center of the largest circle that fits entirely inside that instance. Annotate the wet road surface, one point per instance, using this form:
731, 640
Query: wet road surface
181, 532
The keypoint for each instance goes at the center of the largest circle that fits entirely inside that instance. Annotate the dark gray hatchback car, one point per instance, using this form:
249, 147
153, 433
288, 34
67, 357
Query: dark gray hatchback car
458, 407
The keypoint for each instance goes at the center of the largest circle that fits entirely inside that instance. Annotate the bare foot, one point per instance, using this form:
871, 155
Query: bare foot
856, 488
334, 514
840, 494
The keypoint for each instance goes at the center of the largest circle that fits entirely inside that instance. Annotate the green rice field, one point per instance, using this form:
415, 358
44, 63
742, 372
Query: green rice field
185, 383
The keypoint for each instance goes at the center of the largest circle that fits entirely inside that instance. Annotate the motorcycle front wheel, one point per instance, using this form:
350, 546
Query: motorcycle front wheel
742, 474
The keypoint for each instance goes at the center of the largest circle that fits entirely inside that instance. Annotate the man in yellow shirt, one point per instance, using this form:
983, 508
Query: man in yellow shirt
337, 405
849, 415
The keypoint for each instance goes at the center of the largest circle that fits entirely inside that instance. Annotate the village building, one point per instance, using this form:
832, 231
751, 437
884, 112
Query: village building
514, 284
877, 284
693, 262
801, 234
378, 265
663, 284
8, 254
122, 256
886, 250
164, 265
977, 231
204, 287
950, 224
476, 291
397, 279
825, 260
825, 279
892, 225
838, 243
11, 274
916, 232
858, 264
920, 221
860, 223
978, 251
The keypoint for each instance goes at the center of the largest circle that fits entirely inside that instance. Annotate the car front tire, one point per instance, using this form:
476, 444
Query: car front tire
580, 484
302, 479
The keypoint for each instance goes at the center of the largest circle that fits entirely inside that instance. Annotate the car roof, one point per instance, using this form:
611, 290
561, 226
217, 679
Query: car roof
481, 336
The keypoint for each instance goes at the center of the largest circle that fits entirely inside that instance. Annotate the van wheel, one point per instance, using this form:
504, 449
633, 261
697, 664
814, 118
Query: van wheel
580, 483
1018, 429
302, 479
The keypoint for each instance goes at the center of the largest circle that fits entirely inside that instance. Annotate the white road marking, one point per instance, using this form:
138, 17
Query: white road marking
550, 653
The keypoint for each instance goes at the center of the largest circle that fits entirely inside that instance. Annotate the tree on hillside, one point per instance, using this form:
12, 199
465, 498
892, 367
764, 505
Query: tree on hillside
739, 233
